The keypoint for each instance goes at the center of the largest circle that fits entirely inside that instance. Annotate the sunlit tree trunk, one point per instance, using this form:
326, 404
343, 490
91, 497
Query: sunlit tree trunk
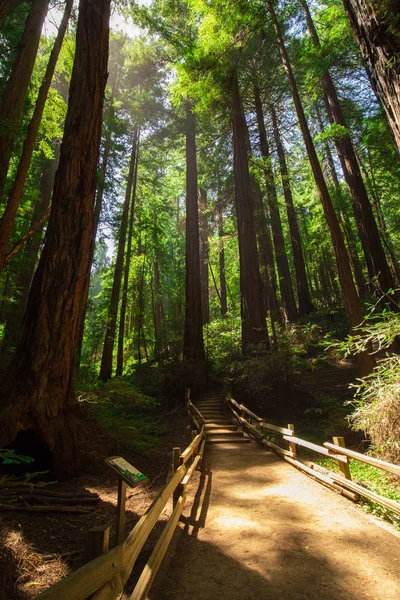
193, 344
203, 233
124, 299
108, 348
8, 218
222, 280
303, 292
14, 93
254, 330
351, 299
285, 281
38, 389
157, 298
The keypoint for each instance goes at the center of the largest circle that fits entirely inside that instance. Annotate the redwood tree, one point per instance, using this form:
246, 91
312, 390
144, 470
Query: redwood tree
38, 389
193, 344
253, 314
14, 93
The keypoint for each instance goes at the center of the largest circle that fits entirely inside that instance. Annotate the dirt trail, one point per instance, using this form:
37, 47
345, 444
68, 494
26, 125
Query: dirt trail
259, 529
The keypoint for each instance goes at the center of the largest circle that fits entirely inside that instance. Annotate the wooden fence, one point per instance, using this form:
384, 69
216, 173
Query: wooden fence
342, 483
104, 578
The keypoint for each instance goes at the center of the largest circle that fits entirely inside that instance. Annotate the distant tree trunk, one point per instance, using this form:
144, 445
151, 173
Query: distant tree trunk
285, 281
157, 302
31, 253
14, 94
372, 26
124, 300
351, 299
346, 226
38, 389
254, 331
266, 255
108, 348
193, 344
303, 292
203, 233
222, 280
8, 218
366, 224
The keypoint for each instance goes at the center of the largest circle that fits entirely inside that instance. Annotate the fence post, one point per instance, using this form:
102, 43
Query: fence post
121, 511
176, 452
96, 542
292, 445
344, 467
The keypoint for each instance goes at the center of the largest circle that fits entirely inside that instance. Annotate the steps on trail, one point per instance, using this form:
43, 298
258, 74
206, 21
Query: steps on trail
219, 426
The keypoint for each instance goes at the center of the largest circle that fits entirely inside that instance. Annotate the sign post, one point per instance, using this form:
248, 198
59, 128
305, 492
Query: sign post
127, 475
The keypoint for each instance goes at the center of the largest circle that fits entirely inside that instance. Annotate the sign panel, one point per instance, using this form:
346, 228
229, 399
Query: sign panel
125, 470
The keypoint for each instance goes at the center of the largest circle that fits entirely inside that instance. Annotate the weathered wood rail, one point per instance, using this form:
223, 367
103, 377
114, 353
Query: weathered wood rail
257, 428
104, 578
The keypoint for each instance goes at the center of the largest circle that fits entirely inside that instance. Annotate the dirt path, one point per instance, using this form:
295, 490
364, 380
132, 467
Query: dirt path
259, 529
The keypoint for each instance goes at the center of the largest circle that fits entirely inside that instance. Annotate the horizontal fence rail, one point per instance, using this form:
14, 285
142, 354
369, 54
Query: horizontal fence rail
104, 578
257, 428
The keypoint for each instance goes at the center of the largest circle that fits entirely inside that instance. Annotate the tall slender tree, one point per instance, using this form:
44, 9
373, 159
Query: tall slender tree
193, 343
14, 93
38, 390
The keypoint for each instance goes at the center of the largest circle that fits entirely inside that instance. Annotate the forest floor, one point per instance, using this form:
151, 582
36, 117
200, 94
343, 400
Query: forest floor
259, 529
39, 549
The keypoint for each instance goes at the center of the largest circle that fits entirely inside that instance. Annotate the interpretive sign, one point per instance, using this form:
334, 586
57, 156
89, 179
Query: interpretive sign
125, 470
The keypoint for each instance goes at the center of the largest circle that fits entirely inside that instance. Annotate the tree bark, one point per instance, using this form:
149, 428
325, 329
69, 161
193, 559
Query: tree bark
108, 348
157, 299
351, 299
193, 344
31, 253
254, 331
371, 23
222, 280
203, 232
285, 281
14, 94
303, 292
124, 300
38, 389
8, 218
346, 226
368, 231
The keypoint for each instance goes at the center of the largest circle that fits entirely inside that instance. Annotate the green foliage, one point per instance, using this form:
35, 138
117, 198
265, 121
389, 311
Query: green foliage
8, 457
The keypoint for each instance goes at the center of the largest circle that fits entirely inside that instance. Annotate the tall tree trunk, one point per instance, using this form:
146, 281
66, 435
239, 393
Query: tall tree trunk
371, 23
31, 253
8, 218
124, 300
14, 94
193, 344
346, 226
108, 348
222, 280
203, 233
38, 389
285, 281
157, 302
266, 255
303, 292
368, 231
254, 331
351, 299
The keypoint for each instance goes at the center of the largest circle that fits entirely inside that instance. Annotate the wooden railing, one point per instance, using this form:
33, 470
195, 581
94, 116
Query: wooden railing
104, 578
256, 427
